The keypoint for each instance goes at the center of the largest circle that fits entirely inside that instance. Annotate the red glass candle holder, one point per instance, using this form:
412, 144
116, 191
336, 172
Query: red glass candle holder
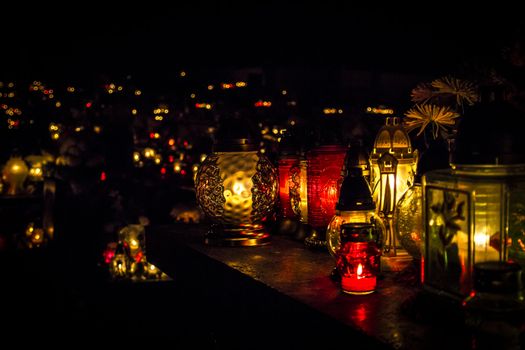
324, 180
285, 165
358, 258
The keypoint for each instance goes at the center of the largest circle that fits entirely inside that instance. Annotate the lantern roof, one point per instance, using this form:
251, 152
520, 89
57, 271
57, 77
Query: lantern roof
393, 138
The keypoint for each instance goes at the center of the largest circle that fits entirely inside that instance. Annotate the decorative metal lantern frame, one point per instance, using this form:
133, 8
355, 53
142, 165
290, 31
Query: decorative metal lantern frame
393, 166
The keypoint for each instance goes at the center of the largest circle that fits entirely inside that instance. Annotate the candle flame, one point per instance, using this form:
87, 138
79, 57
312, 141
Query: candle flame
359, 270
238, 188
481, 240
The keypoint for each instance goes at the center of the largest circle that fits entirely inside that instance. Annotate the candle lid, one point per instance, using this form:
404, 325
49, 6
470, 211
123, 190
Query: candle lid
356, 156
355, 192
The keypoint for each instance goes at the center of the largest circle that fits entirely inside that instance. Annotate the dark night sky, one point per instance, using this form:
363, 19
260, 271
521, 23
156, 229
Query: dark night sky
150, 38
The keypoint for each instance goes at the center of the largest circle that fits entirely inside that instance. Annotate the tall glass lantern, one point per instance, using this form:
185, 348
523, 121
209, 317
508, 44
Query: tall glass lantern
237, 188
286, 162
355, 204
298, 187
324, 180
293, 201
475, 212
393, 166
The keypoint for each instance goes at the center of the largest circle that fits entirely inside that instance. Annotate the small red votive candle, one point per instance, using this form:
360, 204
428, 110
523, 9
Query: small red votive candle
358, 258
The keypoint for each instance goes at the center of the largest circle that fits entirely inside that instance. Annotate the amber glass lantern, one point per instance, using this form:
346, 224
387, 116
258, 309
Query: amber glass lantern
324, 180
474, 212
237, 188
394, 164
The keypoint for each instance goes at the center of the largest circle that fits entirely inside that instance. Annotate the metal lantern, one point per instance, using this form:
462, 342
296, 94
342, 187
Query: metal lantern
393, 163
237, 188
475, 212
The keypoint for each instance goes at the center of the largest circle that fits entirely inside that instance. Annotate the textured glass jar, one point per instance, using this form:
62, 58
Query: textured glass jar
286, 163
408, 220
472, 214
324, 180
299, 190
237, 190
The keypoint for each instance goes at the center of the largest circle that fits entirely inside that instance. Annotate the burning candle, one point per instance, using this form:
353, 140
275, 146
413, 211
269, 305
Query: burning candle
358, 258
358, 283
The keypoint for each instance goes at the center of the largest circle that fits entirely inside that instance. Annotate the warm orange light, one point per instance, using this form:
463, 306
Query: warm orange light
203, 105
240, 84
379, 110
262, 103
171, 142
359, 270
227, 86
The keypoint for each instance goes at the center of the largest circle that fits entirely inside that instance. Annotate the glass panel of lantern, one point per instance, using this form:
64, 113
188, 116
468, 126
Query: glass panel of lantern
471, 215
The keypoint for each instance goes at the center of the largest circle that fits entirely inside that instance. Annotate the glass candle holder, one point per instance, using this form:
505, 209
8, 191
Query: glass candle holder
333, 236
324, 180
355, 203
357, 259
286, 163
237, 189
134, 238
408, 221
298, 187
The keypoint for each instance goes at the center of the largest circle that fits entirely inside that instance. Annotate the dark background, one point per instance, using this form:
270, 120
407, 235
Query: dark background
153, 39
